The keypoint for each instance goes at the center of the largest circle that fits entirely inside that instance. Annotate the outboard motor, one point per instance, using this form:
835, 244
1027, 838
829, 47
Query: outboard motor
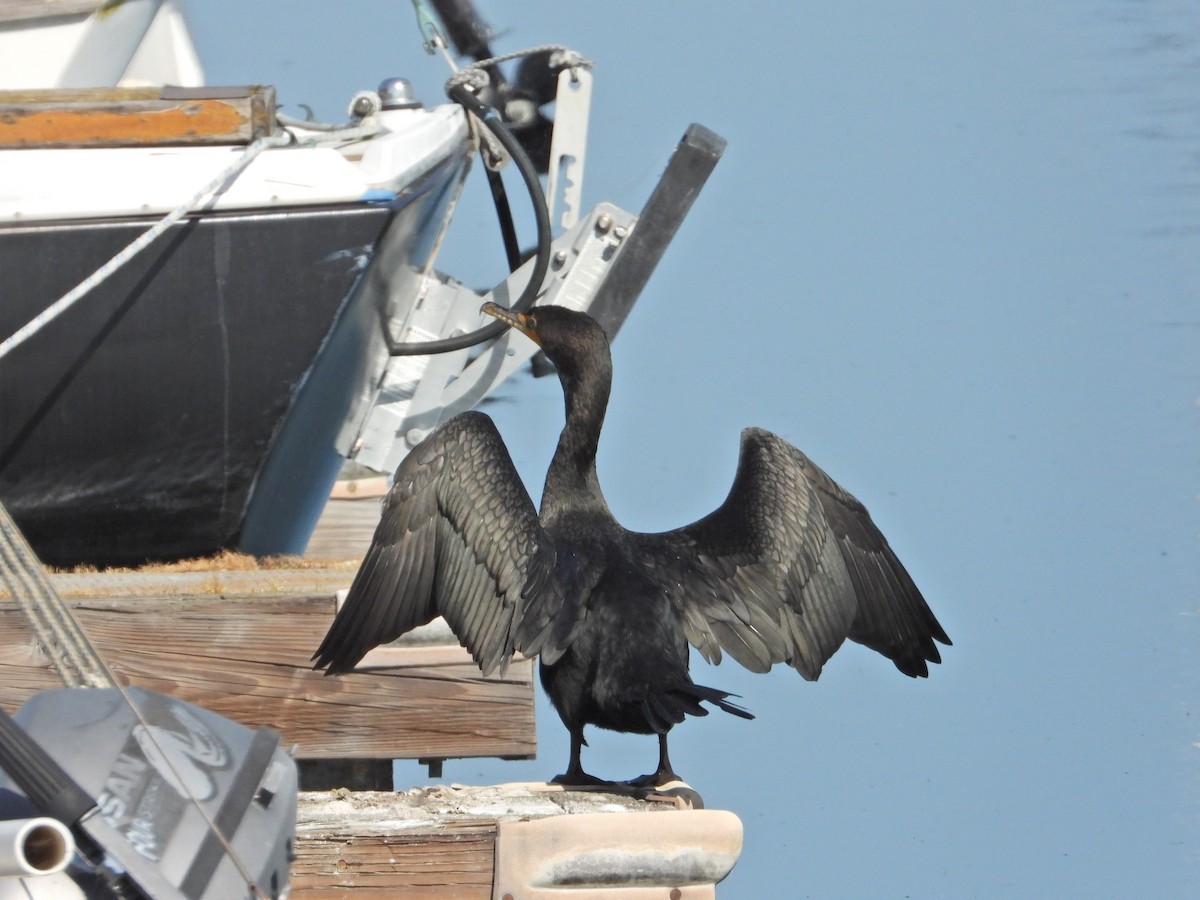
162, 798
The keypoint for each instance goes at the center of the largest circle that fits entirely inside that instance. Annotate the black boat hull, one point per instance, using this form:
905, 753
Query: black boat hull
138, 425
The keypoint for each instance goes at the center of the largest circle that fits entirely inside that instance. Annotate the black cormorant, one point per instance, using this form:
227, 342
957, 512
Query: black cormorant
786, 569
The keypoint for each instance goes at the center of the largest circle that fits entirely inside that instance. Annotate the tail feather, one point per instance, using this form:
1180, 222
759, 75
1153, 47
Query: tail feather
663, 712
717, 699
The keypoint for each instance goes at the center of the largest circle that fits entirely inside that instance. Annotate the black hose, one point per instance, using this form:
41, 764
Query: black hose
462, 95
508, 231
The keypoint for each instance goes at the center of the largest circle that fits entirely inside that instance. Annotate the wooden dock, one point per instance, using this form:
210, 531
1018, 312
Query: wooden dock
236, 637
528, 841
239, 640
348, 521
239, 643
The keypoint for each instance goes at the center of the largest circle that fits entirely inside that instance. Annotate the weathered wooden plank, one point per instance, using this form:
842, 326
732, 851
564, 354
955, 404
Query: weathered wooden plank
448, 841
437, 842
452, 861
345, 528
247, 657
125, 117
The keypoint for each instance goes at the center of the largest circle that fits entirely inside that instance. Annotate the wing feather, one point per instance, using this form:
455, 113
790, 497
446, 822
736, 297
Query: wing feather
459, 537
787, 568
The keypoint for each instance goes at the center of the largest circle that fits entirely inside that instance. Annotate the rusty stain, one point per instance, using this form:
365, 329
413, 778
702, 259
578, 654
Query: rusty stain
96, 126
107, 8
120, 117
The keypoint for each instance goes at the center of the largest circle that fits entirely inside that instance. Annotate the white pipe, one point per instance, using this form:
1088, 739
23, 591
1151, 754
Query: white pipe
39, 846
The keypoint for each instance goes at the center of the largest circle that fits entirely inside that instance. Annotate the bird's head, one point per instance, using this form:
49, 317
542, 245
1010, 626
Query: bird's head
571, 339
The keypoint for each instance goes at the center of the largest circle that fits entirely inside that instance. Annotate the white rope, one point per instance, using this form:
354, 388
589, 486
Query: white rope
368, 128
53, 624
65, 302
564, 56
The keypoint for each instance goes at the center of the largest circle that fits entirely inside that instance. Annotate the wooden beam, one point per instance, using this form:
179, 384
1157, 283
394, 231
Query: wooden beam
454, 860
344, 529
246, 656
134, 117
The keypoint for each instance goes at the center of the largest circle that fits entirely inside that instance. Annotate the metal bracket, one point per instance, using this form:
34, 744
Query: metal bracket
418, 392
568, 146
600, 265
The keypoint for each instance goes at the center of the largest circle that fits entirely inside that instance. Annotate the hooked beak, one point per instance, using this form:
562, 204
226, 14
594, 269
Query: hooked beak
520, 321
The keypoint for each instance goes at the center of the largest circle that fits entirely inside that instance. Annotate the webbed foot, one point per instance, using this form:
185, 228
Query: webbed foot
654, 779
580, 778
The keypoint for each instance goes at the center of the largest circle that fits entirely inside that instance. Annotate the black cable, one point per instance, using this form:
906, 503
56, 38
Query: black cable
508, 231
462, 95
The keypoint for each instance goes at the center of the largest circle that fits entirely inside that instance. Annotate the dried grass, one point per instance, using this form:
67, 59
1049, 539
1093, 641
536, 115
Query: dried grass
225, 561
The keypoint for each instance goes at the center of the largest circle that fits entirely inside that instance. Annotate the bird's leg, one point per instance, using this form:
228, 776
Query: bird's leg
575, 775
665, 772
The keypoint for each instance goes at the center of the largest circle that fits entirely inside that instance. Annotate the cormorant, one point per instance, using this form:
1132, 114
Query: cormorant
788, 567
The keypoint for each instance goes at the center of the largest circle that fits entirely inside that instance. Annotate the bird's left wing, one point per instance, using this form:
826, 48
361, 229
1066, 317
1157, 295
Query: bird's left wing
460, 538
787, 568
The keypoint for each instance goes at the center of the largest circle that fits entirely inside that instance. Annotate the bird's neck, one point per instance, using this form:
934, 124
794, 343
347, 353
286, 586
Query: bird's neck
571, 482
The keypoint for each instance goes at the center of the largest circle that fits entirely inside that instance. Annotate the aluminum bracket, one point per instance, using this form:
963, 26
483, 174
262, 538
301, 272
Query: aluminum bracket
419, 392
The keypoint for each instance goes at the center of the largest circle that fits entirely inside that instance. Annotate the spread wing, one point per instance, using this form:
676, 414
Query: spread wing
788, 567
460, 538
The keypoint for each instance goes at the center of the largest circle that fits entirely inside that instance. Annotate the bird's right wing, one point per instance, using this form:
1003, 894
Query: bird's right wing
460, 538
